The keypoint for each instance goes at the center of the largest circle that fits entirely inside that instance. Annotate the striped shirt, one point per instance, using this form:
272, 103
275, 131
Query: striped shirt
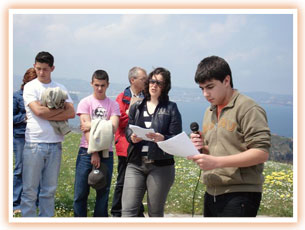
145, 121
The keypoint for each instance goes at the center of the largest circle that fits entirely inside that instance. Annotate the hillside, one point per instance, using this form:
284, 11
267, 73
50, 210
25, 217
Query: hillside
281, 149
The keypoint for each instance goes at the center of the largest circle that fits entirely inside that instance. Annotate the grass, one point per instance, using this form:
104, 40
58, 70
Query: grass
278, 190
277, 198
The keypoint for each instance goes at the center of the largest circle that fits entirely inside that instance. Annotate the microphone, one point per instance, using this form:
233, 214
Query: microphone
195, 129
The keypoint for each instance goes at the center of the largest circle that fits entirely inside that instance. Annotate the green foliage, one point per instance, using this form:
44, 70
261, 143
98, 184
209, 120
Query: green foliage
65, 188
277, 196
180, 197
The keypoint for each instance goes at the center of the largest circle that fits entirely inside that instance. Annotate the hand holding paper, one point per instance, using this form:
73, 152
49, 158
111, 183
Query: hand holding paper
141, 132
180, 145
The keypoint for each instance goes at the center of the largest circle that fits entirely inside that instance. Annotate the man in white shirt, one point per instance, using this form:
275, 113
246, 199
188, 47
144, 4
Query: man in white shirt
42, 150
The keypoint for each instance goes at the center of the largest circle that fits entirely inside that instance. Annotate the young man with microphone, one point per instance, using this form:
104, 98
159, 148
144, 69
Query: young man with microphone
235, 143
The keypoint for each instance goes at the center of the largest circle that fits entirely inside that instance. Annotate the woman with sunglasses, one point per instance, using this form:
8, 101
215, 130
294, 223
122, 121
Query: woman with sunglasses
150, 168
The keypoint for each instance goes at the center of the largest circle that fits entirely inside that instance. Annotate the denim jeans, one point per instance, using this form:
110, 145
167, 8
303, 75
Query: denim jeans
157, 180
116, 209
82, 189
18, 145
41, 165
235, 204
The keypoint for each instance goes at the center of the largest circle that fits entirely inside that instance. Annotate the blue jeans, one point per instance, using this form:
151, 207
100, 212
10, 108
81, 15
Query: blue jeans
41, 165
82, 189
18, 144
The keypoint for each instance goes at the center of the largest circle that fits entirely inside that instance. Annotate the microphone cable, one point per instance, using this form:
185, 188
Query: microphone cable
195, 127
193, 206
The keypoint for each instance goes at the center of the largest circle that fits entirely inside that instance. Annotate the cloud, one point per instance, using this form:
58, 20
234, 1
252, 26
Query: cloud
244, 55
211, 32
23, 20
177, 42
129, 28
57, 31
232, 25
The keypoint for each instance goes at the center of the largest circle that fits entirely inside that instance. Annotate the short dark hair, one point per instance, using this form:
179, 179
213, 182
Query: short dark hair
213, 67
100, 75
45, 57
166, 83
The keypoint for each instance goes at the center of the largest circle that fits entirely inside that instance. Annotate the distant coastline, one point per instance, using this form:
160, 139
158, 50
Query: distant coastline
192, 104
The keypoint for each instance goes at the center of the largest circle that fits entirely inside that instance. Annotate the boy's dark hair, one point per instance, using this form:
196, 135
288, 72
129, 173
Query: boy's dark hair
213, 67
45, 57
100, 75
165, 87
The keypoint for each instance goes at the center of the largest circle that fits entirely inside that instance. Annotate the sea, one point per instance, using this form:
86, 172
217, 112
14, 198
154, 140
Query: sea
280, 117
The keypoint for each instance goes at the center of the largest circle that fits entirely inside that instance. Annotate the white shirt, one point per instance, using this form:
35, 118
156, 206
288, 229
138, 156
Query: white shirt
39, 130
133, 94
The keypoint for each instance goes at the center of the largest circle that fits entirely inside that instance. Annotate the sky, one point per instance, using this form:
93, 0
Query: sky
258, 47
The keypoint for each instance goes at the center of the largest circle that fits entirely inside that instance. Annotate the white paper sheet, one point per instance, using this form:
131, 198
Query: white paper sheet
141, 132
179, 145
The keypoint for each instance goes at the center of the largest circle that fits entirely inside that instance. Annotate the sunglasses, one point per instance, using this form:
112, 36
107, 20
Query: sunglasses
153, 81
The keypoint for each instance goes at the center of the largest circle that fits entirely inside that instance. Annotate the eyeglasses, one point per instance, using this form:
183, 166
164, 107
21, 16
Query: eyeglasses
141, 78
153, 81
